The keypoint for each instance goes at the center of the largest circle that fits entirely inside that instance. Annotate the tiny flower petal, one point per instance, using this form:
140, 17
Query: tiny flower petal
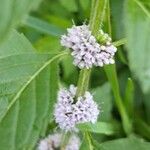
74, 143
53, 142
69, 113
87, 52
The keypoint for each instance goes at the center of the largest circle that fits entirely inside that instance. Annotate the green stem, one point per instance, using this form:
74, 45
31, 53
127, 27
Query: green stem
65, 140
88, 138
108, 18
120, 42
83, 81
92, 10
113, 80
96, 18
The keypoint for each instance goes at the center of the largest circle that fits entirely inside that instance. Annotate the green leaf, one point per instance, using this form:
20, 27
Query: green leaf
49, 44
117, 14
102, 95
70, 72
47, 80
131, 143
129, 97
84, 4
43, 26
142, 128
70, 5
112, 78
86, 143
146, 100
12, 12
27, 95
137, 18
99, 127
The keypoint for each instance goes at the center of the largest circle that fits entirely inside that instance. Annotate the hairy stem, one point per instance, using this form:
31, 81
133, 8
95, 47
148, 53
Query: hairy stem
83, 81
65, 139
96, 18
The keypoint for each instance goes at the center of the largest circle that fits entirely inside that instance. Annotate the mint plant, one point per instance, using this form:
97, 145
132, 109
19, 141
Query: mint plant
74, 85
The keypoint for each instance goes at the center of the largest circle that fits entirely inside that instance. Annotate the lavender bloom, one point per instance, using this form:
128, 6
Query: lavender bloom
50, 143
85, 109
64, 110
53, 142
106, 55
83, 44
74, 143
87, 52
69, 113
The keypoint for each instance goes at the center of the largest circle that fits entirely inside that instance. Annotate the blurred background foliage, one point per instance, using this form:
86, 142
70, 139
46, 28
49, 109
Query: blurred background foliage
130, 20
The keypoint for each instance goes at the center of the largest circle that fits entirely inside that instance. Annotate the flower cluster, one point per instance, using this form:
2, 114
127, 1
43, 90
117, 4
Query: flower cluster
53, 142
87, 52
74, 143
70, 111
50, 143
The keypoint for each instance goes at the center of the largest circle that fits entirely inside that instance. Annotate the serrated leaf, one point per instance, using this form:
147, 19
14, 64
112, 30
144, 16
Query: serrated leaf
25, 86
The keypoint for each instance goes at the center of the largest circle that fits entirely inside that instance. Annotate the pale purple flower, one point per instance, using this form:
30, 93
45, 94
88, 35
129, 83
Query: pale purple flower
83, 45
68, 112
86, 110
87, 52
74, 143
53, 142
64, 110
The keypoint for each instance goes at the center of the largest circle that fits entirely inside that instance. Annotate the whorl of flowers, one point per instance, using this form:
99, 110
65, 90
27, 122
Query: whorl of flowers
87, 52
50, 143
69, 112
53, 142
74, 143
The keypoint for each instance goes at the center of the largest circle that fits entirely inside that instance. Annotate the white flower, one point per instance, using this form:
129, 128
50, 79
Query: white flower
53, 142
74, 143
87, 52
64, 110
86, 110
68, 112
44, 145
50, 143
106, 55
83, 44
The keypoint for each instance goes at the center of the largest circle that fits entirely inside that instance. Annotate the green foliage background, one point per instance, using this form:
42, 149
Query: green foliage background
33, 66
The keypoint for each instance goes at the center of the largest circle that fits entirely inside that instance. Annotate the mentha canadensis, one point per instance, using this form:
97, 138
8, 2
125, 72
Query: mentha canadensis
53, 142
69, 112
86, 51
